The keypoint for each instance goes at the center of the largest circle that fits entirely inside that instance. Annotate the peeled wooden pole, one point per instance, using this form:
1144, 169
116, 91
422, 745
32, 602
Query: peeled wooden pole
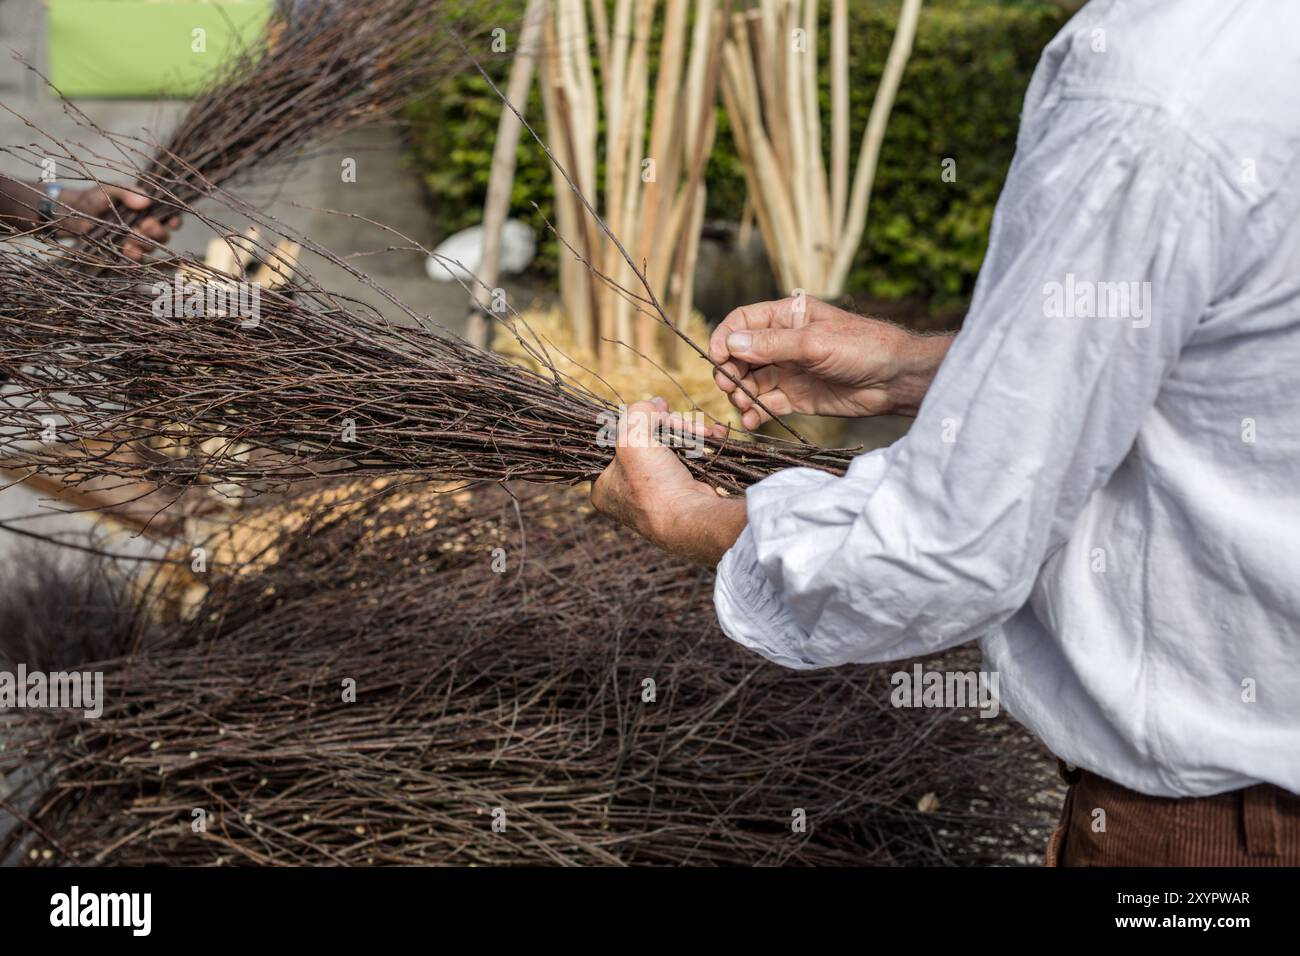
638, 89
704, 75
839, 114
856, 223
811, 223
658, 193
580, 291
502, 175
659, 212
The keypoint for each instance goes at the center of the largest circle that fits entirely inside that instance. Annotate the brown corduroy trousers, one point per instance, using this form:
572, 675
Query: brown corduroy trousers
1106, 824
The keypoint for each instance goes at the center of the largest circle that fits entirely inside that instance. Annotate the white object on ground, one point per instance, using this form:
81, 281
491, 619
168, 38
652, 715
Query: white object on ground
461, 254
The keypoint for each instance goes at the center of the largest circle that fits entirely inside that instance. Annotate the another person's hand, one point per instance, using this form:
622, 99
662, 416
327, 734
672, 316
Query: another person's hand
97, 202
648, 489
803, 355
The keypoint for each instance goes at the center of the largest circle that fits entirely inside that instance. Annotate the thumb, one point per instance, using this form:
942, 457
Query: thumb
769, 346
640, 452
636, 425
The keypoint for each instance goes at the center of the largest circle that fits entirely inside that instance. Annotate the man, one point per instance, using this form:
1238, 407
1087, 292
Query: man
1102, 482
60, 212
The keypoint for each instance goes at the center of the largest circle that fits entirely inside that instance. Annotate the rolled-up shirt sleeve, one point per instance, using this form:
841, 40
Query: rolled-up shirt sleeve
1103, 256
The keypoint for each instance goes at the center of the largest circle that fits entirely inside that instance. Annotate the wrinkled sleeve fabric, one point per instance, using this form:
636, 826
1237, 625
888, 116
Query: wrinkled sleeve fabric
939, 538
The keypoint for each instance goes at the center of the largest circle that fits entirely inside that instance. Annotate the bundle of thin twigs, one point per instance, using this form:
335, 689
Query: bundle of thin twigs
575, 705
133, 372
320, 69
157, 371
60, 608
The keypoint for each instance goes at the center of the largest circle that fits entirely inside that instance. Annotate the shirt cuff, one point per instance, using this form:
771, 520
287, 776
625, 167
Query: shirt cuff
750, 611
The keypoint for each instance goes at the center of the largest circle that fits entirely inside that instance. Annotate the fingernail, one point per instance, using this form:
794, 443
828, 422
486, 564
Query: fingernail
739, 341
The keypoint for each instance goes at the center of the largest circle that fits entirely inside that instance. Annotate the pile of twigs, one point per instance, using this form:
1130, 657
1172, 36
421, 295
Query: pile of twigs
580, 699
59, 609
103, 381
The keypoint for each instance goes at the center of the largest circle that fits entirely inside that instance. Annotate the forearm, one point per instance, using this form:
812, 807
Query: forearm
18, 204
919, 359
701, 531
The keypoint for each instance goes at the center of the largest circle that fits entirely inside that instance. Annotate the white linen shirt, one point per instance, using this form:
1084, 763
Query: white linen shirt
1104, 492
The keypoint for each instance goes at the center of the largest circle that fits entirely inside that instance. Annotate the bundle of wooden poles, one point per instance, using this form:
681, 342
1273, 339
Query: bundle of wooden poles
811, 221
653, 190
495, 678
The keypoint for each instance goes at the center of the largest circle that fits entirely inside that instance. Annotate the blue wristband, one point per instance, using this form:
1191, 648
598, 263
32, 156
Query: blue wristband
49, 200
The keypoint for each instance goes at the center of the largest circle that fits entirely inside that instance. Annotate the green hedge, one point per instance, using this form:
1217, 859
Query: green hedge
960, 99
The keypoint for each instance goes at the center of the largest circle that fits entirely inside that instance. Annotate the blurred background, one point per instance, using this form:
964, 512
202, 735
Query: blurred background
130, 66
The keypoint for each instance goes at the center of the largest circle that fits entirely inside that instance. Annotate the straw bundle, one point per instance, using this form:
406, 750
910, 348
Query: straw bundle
690, 382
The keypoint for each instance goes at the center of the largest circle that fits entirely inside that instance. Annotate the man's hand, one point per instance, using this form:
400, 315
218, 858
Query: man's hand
97, 202
802, 355
648, 489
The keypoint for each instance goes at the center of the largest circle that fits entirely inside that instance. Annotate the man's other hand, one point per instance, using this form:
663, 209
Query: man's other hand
648, 489
802, 355
98, 202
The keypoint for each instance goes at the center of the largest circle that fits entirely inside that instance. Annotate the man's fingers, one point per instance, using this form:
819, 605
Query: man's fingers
736, 319
763, 379
97, 202
771, 346
757, 334
151, 228
125, 197
760, 315
738, 371
742, 396
766, 378
641, 452
680, 423
752, 416
638, 425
